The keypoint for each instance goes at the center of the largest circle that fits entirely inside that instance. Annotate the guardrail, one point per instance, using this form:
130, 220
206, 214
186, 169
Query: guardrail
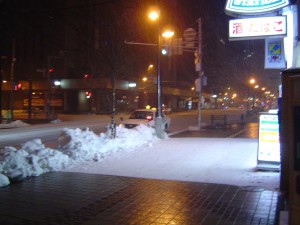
225, 120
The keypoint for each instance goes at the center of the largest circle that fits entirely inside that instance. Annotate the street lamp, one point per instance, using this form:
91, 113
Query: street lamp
159, 120
252, 81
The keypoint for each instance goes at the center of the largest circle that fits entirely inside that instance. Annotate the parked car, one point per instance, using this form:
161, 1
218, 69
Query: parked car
144, 116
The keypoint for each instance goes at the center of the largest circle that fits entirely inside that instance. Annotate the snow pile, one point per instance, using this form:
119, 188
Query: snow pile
84, 145
32, 159
17, 123
75, 145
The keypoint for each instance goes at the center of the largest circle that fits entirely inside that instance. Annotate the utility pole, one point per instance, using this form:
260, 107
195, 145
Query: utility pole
1, 81
113, 122
199, 69
13, 60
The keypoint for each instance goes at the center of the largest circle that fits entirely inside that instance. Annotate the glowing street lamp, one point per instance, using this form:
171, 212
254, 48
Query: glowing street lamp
159, 120
154, 15
150, 66
252, 81
168, 34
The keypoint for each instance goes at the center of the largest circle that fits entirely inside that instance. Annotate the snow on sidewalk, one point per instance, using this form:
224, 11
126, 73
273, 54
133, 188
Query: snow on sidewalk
209, 160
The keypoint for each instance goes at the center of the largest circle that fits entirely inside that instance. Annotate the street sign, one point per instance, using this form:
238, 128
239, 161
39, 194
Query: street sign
177, 46
189, 36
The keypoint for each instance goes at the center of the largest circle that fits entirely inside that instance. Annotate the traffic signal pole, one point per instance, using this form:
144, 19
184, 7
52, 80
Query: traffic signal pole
199, 69
12, 67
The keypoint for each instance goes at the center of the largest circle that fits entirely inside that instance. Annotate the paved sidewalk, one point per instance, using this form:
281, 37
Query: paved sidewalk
75, 198
62, 198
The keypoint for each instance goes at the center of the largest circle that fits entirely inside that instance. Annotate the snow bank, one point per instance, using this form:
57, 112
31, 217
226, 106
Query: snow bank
75, 145
17, 123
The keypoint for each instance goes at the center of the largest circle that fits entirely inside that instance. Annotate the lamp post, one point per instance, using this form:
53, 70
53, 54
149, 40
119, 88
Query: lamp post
251, 82
159, 120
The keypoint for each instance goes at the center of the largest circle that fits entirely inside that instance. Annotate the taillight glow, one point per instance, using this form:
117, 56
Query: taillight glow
149, 117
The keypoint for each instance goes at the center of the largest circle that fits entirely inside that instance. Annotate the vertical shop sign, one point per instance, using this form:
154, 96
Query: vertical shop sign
274, 54
269, 145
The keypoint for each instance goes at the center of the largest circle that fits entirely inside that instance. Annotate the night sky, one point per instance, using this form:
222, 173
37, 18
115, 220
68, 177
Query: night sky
66, 29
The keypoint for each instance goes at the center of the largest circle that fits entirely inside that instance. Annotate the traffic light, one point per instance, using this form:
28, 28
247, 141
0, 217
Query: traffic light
17, 86
87, 75
164, 51
51, 70
88, 94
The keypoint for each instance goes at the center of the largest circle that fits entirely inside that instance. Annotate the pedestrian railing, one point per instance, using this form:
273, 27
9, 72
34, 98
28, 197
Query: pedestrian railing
225, 120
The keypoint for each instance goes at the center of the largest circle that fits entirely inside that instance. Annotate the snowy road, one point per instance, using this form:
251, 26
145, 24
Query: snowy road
50, 132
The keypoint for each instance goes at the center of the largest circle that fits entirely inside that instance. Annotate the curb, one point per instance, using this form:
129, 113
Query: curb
237, 133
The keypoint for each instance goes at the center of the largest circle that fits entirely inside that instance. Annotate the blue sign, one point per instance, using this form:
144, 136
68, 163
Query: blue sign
253, 7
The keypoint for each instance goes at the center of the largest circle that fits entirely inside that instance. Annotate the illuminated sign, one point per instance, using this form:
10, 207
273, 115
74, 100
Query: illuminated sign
274, 54
269, 145
253, 7
259, 28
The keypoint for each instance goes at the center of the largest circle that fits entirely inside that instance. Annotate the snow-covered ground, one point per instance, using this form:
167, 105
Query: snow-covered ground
209, 160
139, 153
17, 123
33, 158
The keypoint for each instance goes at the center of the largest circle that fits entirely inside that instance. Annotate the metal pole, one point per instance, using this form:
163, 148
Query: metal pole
159, 122
200, 72
49, 89
113, 122
30, 99
159, 112
1, 81
12, 80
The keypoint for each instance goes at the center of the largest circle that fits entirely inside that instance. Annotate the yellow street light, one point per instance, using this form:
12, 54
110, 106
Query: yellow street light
168, 34
145, 79
256, 86
153, 15
252, 81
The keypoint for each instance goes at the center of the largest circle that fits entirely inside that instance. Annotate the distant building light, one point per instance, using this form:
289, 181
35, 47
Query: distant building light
132, 85
57, 83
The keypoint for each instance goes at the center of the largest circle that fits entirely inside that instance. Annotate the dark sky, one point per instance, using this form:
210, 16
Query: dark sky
223, 61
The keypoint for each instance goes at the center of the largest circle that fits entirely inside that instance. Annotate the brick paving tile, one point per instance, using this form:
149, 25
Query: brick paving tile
74, 198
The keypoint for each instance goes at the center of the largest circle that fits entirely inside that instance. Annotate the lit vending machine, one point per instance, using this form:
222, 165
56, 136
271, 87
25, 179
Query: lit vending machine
290, 141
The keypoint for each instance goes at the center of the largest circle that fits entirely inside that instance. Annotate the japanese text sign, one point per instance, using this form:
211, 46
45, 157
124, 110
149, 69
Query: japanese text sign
258, 28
